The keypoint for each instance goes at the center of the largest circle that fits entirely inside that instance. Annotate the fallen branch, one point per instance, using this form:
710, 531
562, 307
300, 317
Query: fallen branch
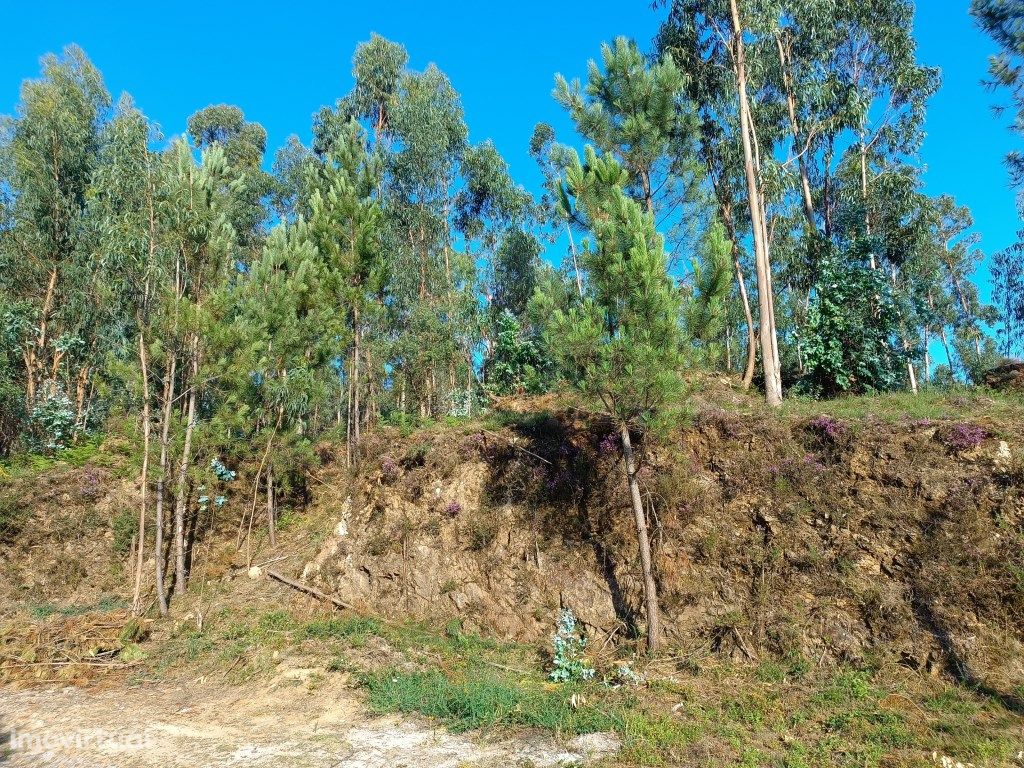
75, 663
513, 443
337, 602
272, 561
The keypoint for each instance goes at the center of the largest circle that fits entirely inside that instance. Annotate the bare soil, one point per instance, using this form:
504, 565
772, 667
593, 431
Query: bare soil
283, 724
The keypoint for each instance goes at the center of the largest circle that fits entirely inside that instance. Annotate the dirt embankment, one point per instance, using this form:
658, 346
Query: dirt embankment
805, 538
800, 538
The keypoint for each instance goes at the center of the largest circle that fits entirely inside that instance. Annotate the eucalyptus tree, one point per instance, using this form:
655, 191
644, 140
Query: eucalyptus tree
416, 128
48, 155
709, 88
243, 144
819, 101
122, 216
711, 40
954, 296
1003, 21
494, 216
1007, 270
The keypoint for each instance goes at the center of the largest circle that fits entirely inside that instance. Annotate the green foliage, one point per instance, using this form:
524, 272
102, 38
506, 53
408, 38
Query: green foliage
53, 422
517, 363
848, 343
639, 113
481, 699
568, 647
622, 343
124, 527
1007, 269
1001, 20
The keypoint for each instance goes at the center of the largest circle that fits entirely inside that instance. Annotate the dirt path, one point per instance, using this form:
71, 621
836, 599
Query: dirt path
198, 725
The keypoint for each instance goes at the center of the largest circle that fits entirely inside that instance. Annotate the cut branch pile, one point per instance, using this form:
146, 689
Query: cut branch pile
68, 647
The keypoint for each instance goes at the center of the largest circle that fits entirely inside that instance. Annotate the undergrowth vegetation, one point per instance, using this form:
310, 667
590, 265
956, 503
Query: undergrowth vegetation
788, 714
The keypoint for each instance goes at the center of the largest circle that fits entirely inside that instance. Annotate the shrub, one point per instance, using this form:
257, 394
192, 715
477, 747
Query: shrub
829, 427
89, 487
963, 437
389, 470
850, 340
52, 419
569, 645
125, 525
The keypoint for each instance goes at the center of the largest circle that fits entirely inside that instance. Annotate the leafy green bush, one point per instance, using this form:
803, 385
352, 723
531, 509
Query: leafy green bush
517, 362
850, 343
53, 421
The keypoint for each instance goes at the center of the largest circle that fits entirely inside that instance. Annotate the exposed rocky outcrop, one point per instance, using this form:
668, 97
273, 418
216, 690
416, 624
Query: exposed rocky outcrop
1009, 375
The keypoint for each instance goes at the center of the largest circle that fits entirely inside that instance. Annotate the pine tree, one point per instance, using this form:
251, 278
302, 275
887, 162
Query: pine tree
622, 344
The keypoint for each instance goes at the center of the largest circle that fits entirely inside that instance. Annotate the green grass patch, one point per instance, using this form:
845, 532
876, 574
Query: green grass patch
478, 698
936, 404
354, 629
105, 604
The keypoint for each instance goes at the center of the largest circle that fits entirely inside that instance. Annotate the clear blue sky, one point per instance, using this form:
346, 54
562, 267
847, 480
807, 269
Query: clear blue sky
281, 61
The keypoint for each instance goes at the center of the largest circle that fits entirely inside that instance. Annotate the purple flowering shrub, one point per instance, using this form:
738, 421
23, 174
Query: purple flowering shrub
452, 508
389, 469
963, 437
609, 444
89, 486
472, 445
828, 427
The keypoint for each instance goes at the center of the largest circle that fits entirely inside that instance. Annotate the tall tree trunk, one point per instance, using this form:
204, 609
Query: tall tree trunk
864, 195
769, 343
911, 375
355, 413
800, 153
650, 588
271, 507
146, 429
165, 432
725, 207
926, 373
147, 426
949, 354
728, 347
575, 263
82, 382
748, 371
34, 355
183, 465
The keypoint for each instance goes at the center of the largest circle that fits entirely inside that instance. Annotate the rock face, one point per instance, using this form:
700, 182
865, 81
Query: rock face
412, 558
1009, 375
771, 538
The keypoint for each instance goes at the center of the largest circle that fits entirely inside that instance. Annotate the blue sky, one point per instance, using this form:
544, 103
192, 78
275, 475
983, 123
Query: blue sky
281, 62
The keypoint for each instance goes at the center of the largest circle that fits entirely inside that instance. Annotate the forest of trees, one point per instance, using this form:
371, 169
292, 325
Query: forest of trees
746, 196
